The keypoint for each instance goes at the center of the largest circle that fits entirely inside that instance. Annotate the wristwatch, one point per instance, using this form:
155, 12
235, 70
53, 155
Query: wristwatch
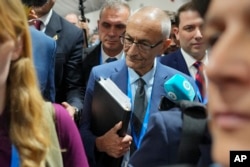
77, 116
76, 110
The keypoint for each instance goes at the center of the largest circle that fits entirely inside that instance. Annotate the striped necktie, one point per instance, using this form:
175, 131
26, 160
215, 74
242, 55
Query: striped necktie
199, 77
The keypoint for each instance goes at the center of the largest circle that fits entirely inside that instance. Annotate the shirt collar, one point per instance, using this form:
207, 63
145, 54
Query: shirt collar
190, 60
105, 56
148, 77
45, 19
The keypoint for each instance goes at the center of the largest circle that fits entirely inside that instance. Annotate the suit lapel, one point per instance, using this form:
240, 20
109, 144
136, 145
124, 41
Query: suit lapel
94, 56
54, 26
181, 63
158, 87
120, 75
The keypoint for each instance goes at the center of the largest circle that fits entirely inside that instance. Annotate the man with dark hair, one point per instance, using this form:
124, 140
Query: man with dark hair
35, 3
191, 56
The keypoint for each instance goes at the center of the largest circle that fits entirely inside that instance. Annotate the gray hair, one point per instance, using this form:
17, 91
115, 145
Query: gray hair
114, 4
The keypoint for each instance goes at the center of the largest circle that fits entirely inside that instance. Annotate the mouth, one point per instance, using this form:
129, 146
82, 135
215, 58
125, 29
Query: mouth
197, 44
112, 41
231, 120
134, 58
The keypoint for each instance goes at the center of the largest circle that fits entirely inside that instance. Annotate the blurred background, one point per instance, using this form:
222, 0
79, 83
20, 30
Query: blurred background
91, 7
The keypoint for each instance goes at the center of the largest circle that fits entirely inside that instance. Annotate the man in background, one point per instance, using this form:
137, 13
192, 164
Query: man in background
69, 40
191, 56
74, 19
111, 24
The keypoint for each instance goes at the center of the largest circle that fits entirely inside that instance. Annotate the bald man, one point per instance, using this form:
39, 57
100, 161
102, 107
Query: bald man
142, 43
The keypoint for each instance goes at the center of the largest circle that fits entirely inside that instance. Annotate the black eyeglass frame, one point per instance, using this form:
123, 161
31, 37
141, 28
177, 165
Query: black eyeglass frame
122, 38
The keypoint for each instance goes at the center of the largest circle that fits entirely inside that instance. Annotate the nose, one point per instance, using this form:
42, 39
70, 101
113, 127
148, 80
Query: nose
112, 31
133, 49
198, 34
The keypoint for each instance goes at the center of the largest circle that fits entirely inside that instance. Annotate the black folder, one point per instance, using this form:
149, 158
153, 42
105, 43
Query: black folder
110, 105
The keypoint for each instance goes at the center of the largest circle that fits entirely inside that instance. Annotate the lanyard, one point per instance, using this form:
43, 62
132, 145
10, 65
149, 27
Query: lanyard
14, 157
138, 139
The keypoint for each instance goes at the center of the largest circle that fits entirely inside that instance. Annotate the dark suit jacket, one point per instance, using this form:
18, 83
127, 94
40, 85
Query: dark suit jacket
176, 61
91, 58
160, 144
44, 49
118, 72
68, 77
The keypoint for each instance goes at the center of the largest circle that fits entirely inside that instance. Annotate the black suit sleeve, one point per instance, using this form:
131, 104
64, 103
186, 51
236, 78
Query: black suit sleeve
73, 77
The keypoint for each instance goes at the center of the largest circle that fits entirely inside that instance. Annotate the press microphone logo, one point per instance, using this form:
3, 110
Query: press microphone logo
239, 158
179, 88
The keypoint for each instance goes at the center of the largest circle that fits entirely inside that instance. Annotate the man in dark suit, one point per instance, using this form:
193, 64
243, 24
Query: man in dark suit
69, 39
192, 47
191, 56
111, 24
142, 44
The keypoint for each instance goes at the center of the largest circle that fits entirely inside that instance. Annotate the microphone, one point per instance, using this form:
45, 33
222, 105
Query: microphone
177, 89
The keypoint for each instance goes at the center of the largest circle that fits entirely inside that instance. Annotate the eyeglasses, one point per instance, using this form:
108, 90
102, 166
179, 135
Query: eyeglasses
128, 42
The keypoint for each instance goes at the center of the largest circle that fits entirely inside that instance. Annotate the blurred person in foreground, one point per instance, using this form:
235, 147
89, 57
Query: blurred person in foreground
227, 37
29, 135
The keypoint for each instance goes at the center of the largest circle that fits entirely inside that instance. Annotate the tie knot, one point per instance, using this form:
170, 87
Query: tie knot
141, 82
37, 24
197, 64
110, 59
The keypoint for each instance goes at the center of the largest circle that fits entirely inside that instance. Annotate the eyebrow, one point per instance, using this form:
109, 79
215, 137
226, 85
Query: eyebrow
140, 40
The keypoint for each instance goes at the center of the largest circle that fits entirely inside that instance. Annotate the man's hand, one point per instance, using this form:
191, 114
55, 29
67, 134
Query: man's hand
112, 144
71, 110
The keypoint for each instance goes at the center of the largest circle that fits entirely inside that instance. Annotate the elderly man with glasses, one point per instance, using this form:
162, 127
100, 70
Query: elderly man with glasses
142, 43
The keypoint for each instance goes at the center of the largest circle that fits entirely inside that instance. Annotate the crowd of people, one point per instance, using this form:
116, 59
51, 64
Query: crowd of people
48, 76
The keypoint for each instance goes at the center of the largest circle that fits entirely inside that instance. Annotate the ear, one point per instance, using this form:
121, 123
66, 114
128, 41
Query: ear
176, 32
18, 48
166, 43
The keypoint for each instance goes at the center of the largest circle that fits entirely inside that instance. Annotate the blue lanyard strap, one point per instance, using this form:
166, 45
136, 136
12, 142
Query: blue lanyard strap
15, 161
138, 139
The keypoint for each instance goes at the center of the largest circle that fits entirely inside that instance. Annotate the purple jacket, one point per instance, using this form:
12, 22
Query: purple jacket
68, 135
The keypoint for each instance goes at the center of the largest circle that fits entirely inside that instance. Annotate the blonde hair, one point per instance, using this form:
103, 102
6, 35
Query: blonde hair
23, 99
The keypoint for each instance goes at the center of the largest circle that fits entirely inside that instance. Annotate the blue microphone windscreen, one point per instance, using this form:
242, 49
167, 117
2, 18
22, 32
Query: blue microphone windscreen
179, 88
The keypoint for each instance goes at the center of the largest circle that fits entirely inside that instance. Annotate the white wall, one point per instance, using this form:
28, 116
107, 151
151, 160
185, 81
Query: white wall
168, 5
